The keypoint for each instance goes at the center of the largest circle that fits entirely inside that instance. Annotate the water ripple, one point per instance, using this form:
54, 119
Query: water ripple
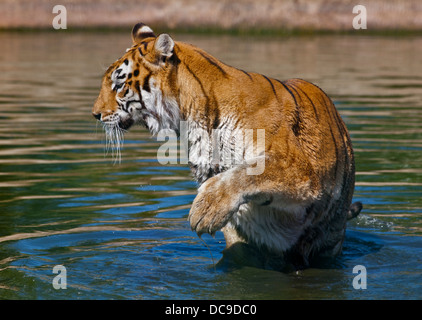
122, 230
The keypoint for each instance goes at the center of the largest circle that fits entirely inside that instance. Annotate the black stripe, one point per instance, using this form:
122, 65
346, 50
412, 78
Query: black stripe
216, 120
343, 133
250, 77
213, 62
117, 86
333, 114
197, 80
138, 91
340, 122
325, 99
306, 95
296, 126
272, 86
145, 85
293, 88
289, 91
335, 146
147, 35
137, 85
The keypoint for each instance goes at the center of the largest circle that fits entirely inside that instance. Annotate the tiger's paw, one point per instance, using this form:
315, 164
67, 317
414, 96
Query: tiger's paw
213, 206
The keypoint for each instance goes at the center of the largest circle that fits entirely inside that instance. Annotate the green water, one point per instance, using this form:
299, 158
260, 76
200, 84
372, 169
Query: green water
121, 230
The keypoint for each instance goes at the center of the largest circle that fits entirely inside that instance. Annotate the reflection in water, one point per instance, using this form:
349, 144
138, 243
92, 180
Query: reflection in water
121, 229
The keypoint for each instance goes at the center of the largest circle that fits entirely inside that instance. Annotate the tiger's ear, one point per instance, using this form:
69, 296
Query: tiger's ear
164, 45
140, 32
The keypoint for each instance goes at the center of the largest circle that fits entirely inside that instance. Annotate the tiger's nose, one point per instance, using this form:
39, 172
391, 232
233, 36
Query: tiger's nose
97, 116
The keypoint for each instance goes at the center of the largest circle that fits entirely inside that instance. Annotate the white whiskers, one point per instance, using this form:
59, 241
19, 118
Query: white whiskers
114, 140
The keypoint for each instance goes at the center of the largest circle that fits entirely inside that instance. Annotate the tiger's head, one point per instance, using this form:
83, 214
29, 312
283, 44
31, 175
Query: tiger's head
138, 87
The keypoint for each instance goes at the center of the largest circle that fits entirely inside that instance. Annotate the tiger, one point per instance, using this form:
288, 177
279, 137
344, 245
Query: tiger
292, 212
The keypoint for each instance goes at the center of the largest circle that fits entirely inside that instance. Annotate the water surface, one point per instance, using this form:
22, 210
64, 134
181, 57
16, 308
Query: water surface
121, 230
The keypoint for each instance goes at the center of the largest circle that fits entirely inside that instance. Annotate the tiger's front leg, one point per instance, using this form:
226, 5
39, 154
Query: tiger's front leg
222, 195
214, 205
